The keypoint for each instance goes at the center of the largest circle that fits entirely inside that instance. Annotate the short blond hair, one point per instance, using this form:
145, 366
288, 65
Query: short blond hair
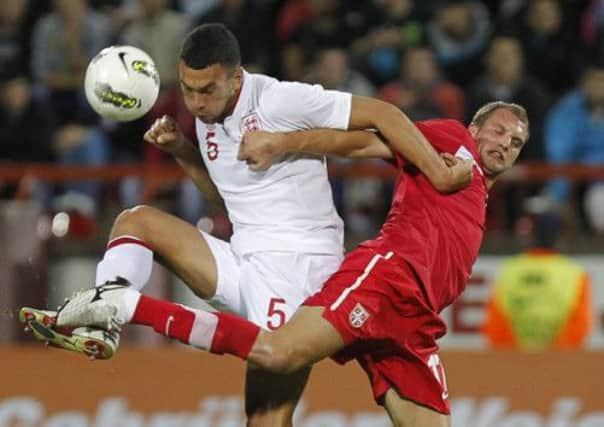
486, 110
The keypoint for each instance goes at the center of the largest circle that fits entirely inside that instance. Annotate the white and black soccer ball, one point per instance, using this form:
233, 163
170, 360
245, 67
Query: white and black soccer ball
121, 83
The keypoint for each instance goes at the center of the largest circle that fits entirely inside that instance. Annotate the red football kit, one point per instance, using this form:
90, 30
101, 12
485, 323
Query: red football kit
386, 297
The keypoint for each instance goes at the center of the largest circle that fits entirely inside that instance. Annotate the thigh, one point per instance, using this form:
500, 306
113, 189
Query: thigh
405, 413
378, 308
175, 243
228, 272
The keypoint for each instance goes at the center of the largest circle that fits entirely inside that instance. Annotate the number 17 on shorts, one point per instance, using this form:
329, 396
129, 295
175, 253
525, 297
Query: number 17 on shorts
438, 370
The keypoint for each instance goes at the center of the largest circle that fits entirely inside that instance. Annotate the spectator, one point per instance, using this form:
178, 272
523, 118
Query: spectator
331, 69
551, 38
359, 200
459, 33
574, 130
256, 42
14, 38
291, 16
63, 43
158, 31
196, 7
333, 23
421, 92
26, 129
506, 79
292, 62
393, 27
592, 26
540, 300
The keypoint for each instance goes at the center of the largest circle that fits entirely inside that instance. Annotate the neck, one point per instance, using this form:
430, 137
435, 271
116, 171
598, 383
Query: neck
230, 107
490, 181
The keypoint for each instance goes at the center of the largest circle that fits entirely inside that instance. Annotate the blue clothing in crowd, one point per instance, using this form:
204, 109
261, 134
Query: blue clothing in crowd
573, 134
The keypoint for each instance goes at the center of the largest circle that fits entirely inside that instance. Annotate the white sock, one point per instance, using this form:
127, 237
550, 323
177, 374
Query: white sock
126, 305
126, 257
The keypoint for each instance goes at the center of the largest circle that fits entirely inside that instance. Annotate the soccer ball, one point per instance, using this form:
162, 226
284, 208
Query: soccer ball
121, 83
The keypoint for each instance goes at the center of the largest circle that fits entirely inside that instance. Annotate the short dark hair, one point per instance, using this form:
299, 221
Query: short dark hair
210, 44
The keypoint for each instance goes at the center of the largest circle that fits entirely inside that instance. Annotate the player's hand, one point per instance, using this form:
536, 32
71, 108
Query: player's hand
459, 173
165, 134
259, 149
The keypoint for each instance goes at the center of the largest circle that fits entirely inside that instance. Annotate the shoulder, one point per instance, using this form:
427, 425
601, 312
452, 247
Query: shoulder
447, 135
443, 127
277, 91
290, 99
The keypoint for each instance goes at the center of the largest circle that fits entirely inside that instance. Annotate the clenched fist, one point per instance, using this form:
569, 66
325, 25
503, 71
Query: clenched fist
165, 134
260, 149
460, 172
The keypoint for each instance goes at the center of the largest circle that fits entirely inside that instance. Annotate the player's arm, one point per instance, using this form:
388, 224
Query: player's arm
406, 139
395, 127
261, 149
166, 135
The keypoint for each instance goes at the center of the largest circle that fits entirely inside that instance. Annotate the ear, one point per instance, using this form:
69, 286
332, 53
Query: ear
238, 77
473, 129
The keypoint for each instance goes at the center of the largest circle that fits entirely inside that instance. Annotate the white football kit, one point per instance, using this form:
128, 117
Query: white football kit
287, 236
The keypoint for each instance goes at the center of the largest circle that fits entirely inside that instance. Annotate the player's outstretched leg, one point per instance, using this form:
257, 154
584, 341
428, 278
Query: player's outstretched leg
139, 234
304, 340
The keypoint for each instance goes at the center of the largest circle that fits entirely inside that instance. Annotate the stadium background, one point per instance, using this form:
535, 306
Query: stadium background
65, 174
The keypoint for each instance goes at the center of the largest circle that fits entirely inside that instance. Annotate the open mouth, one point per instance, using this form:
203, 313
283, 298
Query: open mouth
497, 155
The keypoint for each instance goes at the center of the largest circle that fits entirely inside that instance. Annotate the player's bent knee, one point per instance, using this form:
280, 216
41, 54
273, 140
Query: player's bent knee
282, 360
134, 221
281, 364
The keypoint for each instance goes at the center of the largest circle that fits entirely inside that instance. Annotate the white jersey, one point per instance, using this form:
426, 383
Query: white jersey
288, 207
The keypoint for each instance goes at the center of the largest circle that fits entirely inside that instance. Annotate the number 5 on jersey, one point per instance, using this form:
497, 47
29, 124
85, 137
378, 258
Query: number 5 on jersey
276, 316
211, 145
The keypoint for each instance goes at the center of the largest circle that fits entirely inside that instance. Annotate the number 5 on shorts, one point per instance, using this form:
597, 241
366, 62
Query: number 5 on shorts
276, 315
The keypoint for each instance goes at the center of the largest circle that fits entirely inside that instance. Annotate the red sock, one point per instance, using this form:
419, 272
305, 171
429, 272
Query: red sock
234, 335
216, 332
167, 318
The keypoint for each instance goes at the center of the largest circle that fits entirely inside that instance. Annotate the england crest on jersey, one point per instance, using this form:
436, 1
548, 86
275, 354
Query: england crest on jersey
358, 316
250, 123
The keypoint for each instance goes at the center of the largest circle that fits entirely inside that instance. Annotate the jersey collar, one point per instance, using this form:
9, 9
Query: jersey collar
242, 97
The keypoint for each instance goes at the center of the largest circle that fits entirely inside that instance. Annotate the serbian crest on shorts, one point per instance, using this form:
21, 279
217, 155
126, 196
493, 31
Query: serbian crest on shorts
250, 123
358, 316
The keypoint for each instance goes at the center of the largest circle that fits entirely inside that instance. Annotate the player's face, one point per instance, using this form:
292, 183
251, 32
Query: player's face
209, 93
500, 139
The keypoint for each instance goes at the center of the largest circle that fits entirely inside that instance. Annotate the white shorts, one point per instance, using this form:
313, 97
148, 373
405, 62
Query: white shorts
267, 287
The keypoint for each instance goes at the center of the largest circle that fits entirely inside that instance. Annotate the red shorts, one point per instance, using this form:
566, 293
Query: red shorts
376, 304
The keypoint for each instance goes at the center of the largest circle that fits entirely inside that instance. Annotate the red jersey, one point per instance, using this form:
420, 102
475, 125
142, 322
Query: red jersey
438, 235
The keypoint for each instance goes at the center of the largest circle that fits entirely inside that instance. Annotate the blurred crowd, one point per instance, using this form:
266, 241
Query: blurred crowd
431, 58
